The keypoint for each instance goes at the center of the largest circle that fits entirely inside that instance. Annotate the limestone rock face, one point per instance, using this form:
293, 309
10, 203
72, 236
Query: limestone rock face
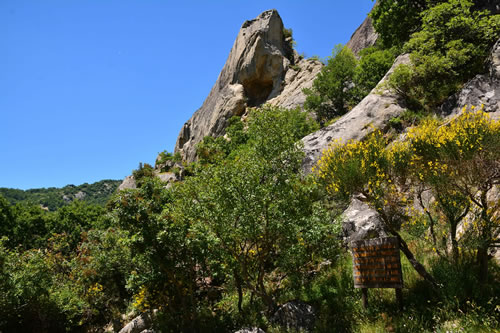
298, 77
364, 36
253, 73
374, 111
483, 89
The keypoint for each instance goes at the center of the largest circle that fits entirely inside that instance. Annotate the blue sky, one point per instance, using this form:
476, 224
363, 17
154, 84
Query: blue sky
90, 88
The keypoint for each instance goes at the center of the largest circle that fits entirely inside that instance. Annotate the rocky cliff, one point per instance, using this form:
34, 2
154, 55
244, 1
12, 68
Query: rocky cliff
364, 36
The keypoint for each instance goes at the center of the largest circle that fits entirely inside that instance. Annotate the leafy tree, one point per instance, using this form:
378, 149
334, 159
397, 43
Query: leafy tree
345, 81
73, 220
373, 65
165, 255
332, 93
142, 173
7, 221
459, 163
30, 229
255, 209
397, 20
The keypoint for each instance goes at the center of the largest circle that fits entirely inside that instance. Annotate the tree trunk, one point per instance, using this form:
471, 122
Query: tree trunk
482, 260
454, 243
414, 262
237, 280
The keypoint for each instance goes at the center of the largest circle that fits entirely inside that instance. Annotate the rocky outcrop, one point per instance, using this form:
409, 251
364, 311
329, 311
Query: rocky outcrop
261, 68
253, 73
483, 89
364, 36
374, 111
128, 183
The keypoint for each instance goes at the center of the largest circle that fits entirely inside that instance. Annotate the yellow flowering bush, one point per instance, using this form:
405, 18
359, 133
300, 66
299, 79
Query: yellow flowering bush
458, 161
368, 168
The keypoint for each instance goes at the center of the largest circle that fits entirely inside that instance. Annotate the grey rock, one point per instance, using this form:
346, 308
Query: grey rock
373, 112
139, 324
250, 330
297, 78
295, 315
483, 89
361, 222
128, 183
364, 36
253, 73
80, 195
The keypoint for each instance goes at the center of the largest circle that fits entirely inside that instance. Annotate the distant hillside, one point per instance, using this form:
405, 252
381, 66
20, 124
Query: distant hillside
54, 198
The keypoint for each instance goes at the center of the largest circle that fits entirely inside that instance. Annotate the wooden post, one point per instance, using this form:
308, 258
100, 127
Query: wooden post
364, 293
399, 297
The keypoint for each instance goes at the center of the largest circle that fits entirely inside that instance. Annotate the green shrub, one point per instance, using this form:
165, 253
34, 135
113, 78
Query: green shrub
450, 48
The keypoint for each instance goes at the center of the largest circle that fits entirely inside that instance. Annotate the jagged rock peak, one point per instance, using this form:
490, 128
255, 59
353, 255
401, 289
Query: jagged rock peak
253, 73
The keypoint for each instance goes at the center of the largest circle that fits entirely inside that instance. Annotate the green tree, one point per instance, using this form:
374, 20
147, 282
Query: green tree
397, 20
378, 176
459, 163
163, 252
373, 65
332, 93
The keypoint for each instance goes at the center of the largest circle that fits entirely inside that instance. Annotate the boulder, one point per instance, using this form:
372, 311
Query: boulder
80, 195
361, 222
483, 89
295, 315
139, 324
373, 112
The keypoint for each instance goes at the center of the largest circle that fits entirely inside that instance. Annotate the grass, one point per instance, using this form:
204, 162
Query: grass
458, 306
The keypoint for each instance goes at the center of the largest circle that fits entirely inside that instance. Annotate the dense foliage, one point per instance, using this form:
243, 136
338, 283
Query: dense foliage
54, 198
345, 80
244, 224
449, 48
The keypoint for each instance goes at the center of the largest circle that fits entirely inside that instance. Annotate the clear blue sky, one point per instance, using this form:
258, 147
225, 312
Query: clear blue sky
90, 88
